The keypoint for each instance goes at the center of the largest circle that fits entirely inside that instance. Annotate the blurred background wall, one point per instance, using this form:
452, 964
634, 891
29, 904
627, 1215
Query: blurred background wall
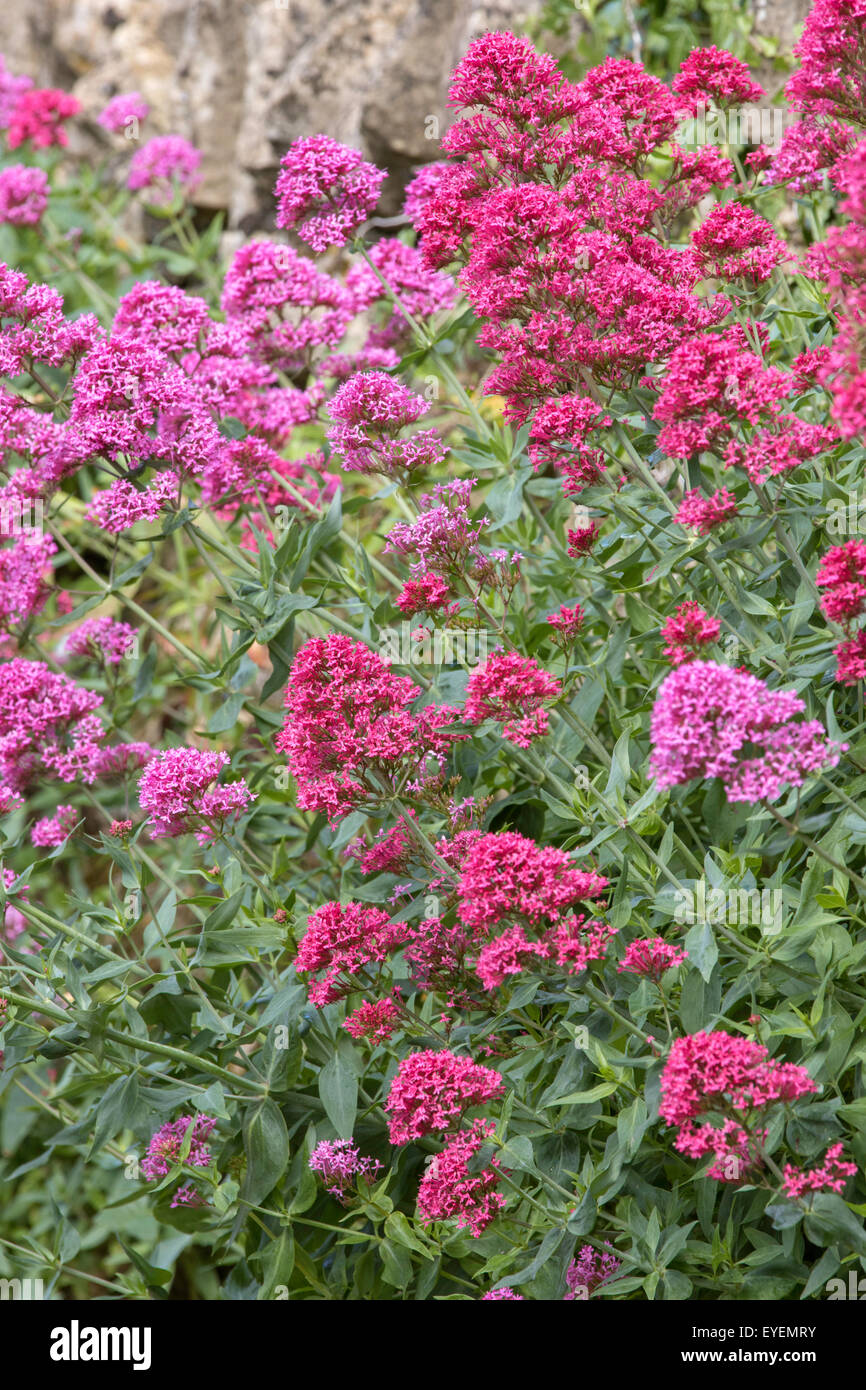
241, 79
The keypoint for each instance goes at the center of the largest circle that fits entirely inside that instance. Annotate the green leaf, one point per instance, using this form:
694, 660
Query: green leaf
338, 1088
266, 1145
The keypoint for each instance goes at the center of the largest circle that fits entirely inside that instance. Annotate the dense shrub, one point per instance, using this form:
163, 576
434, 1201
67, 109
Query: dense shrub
431, 707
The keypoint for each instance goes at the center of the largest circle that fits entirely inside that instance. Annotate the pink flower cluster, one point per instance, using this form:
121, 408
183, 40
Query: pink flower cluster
47, 726
830, 1176
589, 1271
349, 731
24, 569
51, 831
687, 632
124, 110
23, 195
711, 720
731, 1078
176, 790
508, 877
164, 166
342, 941
431, 1091
339, 1164
448, 1189
163, 1151
703, 514
842, 574
734, 243
102, 639
325, 191
651, 958
369, 412
511, 689
376, 1021
38, 116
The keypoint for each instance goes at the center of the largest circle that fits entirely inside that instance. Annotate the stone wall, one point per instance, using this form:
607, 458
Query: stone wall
241, 79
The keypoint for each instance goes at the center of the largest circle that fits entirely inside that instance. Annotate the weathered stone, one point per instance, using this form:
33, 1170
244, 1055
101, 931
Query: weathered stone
241, 79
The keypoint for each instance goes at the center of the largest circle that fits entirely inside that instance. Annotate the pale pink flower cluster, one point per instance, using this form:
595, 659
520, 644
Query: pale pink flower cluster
176, 790
711, 720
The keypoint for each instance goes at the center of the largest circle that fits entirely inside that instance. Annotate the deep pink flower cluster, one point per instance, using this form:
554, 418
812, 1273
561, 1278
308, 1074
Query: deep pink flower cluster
560, 429
730, 1077
422, 186
427, 594
283, 305
164, 1149
567, 623
431, 1091
830, 1176
712, 384
339, 1164
390, 853
687, 631
38, 116
502, 1294
23, 195
449, 1190
703, 514
581, 539
51, 831
507, 876
513, 690
851, 659
47, 726
711, 720
342, 940
102, 639
555, 222
715, 75
571, 944
34, 330
349, 731
830, 80
369, 412
842, 574
589, 1271
376, 1021
807, 151
772, 452
734, 243
122, 111
165, 166
325, 191
651, 958
437, 960
176, 790
24, 568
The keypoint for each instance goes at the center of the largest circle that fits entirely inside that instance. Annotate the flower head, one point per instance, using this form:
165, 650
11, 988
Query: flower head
431, 1090
325, 191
